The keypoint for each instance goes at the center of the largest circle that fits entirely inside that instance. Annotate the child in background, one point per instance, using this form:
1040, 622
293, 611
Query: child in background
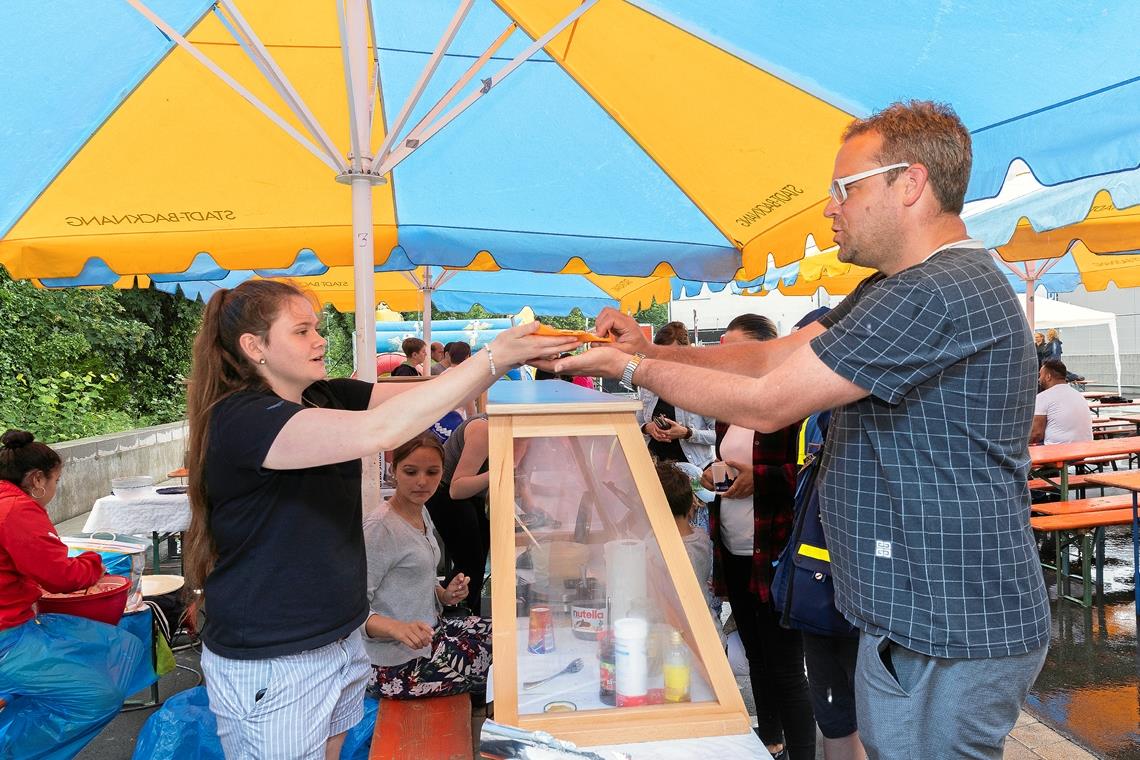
698, 546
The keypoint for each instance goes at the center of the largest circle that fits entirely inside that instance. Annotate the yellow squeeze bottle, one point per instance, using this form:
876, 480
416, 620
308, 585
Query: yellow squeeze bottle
678, 671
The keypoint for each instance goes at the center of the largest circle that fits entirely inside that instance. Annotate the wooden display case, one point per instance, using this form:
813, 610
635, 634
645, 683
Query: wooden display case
579, 523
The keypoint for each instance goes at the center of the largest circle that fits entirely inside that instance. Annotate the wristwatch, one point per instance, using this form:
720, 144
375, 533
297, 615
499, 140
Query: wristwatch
627, 376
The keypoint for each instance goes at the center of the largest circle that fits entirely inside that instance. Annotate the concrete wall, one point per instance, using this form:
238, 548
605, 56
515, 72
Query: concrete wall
90, 463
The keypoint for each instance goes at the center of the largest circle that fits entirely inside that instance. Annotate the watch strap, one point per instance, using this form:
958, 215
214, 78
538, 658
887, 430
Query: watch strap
630, 367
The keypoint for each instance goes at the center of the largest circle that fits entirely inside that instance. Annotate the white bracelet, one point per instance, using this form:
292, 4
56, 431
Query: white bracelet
491, 361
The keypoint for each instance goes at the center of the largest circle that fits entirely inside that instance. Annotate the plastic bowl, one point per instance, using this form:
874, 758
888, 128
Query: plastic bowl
105, 601
132, 487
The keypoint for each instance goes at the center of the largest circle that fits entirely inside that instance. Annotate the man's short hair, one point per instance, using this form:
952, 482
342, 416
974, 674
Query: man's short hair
1056, 368
411, 346
927, 133
458, 351
755, 326
678, 488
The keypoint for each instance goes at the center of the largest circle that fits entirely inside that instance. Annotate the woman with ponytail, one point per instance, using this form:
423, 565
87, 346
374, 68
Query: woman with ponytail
64, 677
275, 540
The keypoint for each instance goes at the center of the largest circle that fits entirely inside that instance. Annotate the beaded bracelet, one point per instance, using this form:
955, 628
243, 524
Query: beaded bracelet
491, 361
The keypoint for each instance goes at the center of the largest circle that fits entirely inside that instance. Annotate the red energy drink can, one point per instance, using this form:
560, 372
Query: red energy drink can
541, 639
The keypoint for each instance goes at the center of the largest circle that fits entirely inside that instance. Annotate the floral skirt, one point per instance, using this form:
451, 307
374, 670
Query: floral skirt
460, 657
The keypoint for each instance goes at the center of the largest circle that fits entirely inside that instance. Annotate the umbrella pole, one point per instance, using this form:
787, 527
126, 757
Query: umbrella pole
354, 26
1030, 295
427, 318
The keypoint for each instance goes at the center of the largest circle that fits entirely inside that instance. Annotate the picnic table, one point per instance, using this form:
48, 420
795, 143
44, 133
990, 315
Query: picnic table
1062, 455
1129, 481
1096, 406
1104, 427
1127, 419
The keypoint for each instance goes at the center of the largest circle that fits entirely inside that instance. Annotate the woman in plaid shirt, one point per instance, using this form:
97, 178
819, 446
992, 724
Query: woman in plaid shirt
750, 524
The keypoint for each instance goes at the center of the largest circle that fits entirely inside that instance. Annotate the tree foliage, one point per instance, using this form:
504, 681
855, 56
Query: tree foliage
80, 362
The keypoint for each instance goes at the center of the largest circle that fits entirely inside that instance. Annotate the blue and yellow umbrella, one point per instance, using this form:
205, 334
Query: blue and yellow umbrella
620, 137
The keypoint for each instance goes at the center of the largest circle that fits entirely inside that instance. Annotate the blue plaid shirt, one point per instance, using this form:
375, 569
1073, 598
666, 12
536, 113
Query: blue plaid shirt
923, 482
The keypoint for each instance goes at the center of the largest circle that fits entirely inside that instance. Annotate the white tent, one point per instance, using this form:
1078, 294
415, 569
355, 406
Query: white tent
1058, 314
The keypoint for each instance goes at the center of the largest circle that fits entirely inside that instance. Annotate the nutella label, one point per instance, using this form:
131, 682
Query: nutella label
587, 622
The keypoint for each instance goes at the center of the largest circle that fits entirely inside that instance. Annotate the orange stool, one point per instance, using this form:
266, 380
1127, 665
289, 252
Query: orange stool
432, 728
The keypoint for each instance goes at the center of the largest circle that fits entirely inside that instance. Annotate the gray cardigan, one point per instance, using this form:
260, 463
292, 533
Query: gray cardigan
401, 580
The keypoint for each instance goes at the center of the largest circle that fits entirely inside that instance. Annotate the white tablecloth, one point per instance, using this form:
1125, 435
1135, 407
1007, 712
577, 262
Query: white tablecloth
164, 513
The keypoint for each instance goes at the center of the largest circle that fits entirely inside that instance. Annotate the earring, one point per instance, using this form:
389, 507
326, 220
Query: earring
43, 492
261, 361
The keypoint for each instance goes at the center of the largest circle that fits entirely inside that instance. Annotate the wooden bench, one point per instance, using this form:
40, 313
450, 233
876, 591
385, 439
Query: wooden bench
1044, 484
1084, 506
1081, 523
1111, 459
429, 728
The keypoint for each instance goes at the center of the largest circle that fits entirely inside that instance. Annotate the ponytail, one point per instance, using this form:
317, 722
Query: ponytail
219, 369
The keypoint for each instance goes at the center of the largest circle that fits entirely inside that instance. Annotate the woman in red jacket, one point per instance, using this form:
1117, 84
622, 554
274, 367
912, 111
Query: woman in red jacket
64, 677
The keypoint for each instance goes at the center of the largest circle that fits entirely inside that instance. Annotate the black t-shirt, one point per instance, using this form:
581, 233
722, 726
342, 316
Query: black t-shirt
404, 370
291, 573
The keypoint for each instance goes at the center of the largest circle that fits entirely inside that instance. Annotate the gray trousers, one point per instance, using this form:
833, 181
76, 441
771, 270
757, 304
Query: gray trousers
933, 707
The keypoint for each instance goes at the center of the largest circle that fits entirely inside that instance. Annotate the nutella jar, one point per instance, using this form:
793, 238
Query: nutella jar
588, 610
587, 618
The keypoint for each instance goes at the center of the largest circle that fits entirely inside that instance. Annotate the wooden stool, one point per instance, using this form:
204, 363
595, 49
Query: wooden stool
431, 728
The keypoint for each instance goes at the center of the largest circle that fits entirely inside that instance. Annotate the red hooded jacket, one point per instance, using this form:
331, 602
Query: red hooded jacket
33, 559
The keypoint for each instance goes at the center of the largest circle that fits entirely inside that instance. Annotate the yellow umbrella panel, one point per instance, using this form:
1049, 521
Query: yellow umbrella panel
185, 165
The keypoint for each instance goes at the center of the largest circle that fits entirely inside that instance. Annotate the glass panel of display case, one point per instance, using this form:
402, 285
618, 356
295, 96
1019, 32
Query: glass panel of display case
601, 629
598, 619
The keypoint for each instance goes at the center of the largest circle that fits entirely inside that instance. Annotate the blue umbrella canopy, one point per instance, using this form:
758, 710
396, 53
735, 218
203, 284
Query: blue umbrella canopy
609, 145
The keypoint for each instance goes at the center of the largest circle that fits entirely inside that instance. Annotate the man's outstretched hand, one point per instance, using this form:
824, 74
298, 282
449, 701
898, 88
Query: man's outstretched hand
603, 361
623, 329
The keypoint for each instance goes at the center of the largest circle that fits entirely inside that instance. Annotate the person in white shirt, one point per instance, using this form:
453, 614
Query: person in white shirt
1060, 414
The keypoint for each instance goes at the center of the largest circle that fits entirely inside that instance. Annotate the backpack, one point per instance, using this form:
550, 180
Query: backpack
802, 589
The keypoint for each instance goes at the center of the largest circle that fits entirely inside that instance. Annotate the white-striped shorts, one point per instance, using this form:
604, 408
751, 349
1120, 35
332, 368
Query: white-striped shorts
286, 708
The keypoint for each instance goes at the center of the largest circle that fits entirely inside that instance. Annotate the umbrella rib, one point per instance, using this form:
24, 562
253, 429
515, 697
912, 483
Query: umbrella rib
417, 131
1058, 104
425, 76
391, 160
346, 52
245, 36
331, 161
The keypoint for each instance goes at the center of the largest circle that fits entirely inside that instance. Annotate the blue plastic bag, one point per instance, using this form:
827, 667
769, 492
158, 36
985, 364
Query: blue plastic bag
65, 678
184, 727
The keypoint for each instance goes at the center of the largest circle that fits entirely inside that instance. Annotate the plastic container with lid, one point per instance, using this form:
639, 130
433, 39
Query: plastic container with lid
132, 486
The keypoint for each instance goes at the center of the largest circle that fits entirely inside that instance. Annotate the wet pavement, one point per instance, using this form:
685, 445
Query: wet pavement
1089, 688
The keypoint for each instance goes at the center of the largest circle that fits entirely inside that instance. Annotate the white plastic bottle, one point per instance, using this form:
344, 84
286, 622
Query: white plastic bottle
631, 662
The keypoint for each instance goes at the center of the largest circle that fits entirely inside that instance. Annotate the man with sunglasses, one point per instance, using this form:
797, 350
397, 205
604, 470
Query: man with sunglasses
931, 371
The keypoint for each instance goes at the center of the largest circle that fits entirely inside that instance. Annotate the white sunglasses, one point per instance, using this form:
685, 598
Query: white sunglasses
838, 188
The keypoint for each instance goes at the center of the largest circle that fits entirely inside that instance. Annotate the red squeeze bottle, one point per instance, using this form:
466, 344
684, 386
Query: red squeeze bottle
607, 685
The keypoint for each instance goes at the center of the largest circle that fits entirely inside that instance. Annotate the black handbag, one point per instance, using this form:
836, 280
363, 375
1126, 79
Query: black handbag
802, 589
